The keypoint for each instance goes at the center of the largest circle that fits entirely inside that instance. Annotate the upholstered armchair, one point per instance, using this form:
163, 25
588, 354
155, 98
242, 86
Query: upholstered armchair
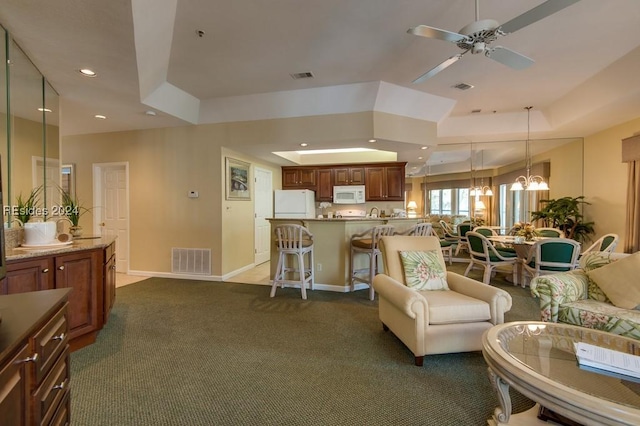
435, 321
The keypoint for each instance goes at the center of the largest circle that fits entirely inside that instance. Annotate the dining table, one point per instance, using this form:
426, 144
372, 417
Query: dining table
522, 249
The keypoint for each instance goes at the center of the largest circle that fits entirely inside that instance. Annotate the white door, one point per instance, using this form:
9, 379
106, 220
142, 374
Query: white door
111, 193
263, 209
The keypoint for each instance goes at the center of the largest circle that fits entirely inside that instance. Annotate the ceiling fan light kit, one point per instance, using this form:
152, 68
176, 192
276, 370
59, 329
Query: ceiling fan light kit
477, 37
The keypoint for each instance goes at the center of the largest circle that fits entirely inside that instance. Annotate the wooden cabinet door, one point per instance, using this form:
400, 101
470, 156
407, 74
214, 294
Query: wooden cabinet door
349, 175
375, 186
15, 384
109, 286
394, 183
28, 275
357, 175
325, 185
299, 178
82, 272
289, 177
308, 178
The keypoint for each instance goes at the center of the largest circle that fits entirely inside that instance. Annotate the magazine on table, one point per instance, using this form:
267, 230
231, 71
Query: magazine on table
599, 359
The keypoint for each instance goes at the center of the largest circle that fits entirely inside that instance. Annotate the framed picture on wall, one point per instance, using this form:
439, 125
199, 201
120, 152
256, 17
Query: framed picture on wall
238, 184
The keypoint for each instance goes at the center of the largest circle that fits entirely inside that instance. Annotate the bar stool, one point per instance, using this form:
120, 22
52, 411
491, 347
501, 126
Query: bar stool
295, 240
367, 243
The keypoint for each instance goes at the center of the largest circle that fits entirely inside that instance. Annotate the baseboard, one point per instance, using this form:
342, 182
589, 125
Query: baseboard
176, 276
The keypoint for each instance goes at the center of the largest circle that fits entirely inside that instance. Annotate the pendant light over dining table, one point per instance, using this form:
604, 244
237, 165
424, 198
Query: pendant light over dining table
529, 182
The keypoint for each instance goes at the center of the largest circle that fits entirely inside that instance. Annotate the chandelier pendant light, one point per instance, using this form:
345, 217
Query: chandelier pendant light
529, 182
482, 189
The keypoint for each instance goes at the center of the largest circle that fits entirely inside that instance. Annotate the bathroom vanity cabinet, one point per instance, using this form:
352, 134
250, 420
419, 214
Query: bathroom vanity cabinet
87, 267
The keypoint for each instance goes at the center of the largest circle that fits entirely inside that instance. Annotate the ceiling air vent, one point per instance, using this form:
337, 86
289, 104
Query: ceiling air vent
475, 111
462, 86
299, 75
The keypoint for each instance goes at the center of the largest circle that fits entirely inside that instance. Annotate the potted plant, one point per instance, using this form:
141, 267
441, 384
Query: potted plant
26, 207
73, 211
564, 213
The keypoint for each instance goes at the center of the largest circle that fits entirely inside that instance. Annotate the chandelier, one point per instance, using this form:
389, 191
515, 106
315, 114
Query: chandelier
482, 190
529, 182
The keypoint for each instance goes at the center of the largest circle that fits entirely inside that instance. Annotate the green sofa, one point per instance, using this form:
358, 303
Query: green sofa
573, 298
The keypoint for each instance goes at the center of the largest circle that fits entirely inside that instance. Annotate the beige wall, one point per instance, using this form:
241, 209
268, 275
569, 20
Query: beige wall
605, 179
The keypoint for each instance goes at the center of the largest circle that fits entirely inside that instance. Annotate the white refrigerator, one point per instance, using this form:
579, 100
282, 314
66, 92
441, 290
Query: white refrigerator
294, 203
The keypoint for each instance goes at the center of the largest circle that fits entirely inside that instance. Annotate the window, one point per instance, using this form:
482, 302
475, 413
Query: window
449, 201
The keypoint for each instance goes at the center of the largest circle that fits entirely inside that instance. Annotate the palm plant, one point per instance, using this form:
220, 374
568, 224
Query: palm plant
565, 214
26, 207
71, 208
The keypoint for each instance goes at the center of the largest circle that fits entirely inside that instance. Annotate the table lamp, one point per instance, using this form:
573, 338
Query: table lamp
411, 209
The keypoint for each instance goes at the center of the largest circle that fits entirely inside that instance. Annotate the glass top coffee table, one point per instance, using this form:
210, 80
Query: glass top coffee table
538, 360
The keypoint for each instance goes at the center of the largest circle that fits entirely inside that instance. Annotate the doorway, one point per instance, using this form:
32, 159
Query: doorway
263, 208
111, 212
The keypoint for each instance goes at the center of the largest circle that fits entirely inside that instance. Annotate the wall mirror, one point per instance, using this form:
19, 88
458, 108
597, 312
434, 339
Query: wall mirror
29, 144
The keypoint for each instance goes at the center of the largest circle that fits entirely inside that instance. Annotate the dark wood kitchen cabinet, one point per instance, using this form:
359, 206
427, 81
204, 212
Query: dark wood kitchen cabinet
385, 183
349, 175
299, 178
324, 190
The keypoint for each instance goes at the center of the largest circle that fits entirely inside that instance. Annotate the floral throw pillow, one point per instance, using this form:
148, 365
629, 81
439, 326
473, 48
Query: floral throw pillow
423, 270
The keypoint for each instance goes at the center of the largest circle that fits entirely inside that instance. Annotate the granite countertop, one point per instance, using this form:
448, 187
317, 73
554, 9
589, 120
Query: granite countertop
83, 243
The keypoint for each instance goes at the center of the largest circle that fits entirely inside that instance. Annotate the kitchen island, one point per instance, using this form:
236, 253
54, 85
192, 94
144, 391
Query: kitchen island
331, 248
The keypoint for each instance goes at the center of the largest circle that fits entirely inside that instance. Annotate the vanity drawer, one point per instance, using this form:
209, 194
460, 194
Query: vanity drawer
49, 342
54, 389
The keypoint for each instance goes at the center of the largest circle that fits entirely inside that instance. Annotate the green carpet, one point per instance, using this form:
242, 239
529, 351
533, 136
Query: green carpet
182, 352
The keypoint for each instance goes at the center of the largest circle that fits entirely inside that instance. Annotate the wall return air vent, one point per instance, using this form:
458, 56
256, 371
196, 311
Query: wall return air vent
300, 75
191, 261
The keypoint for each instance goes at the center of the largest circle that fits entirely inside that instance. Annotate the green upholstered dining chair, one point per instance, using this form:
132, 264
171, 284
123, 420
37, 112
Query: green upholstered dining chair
463, 228
485, 230
607, 243
550, 256
445, 245
549, 232
483, 253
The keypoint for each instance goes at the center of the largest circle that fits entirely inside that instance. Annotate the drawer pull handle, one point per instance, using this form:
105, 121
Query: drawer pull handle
61, 267
59, 387
59, 337
33, 358
45, 270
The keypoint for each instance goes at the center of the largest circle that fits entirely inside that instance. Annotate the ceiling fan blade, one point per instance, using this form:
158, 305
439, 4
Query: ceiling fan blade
509, 58
431, 32
435, 70
537, 13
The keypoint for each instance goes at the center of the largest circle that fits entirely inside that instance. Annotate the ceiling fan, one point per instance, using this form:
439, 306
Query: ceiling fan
477, 36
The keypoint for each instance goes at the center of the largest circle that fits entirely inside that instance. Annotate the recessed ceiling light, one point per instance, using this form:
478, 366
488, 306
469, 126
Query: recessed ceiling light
151, 113
372, 141
44, 110
101, 117
303, 144
419, 158
424, 147
87, 72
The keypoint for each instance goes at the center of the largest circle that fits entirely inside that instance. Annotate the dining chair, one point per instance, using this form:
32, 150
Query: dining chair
550, 232
463, 228
485, 230
550, 256
445, 245
483, 253
294, 240
607, 243
367, 243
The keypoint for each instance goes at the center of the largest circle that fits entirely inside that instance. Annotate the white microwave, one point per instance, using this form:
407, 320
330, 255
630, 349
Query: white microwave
352, 194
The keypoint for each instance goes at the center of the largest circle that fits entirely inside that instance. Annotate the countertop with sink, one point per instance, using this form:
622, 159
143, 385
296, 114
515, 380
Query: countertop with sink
77, 244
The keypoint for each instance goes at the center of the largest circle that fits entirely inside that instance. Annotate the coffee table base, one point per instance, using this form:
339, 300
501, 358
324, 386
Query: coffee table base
525, 418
